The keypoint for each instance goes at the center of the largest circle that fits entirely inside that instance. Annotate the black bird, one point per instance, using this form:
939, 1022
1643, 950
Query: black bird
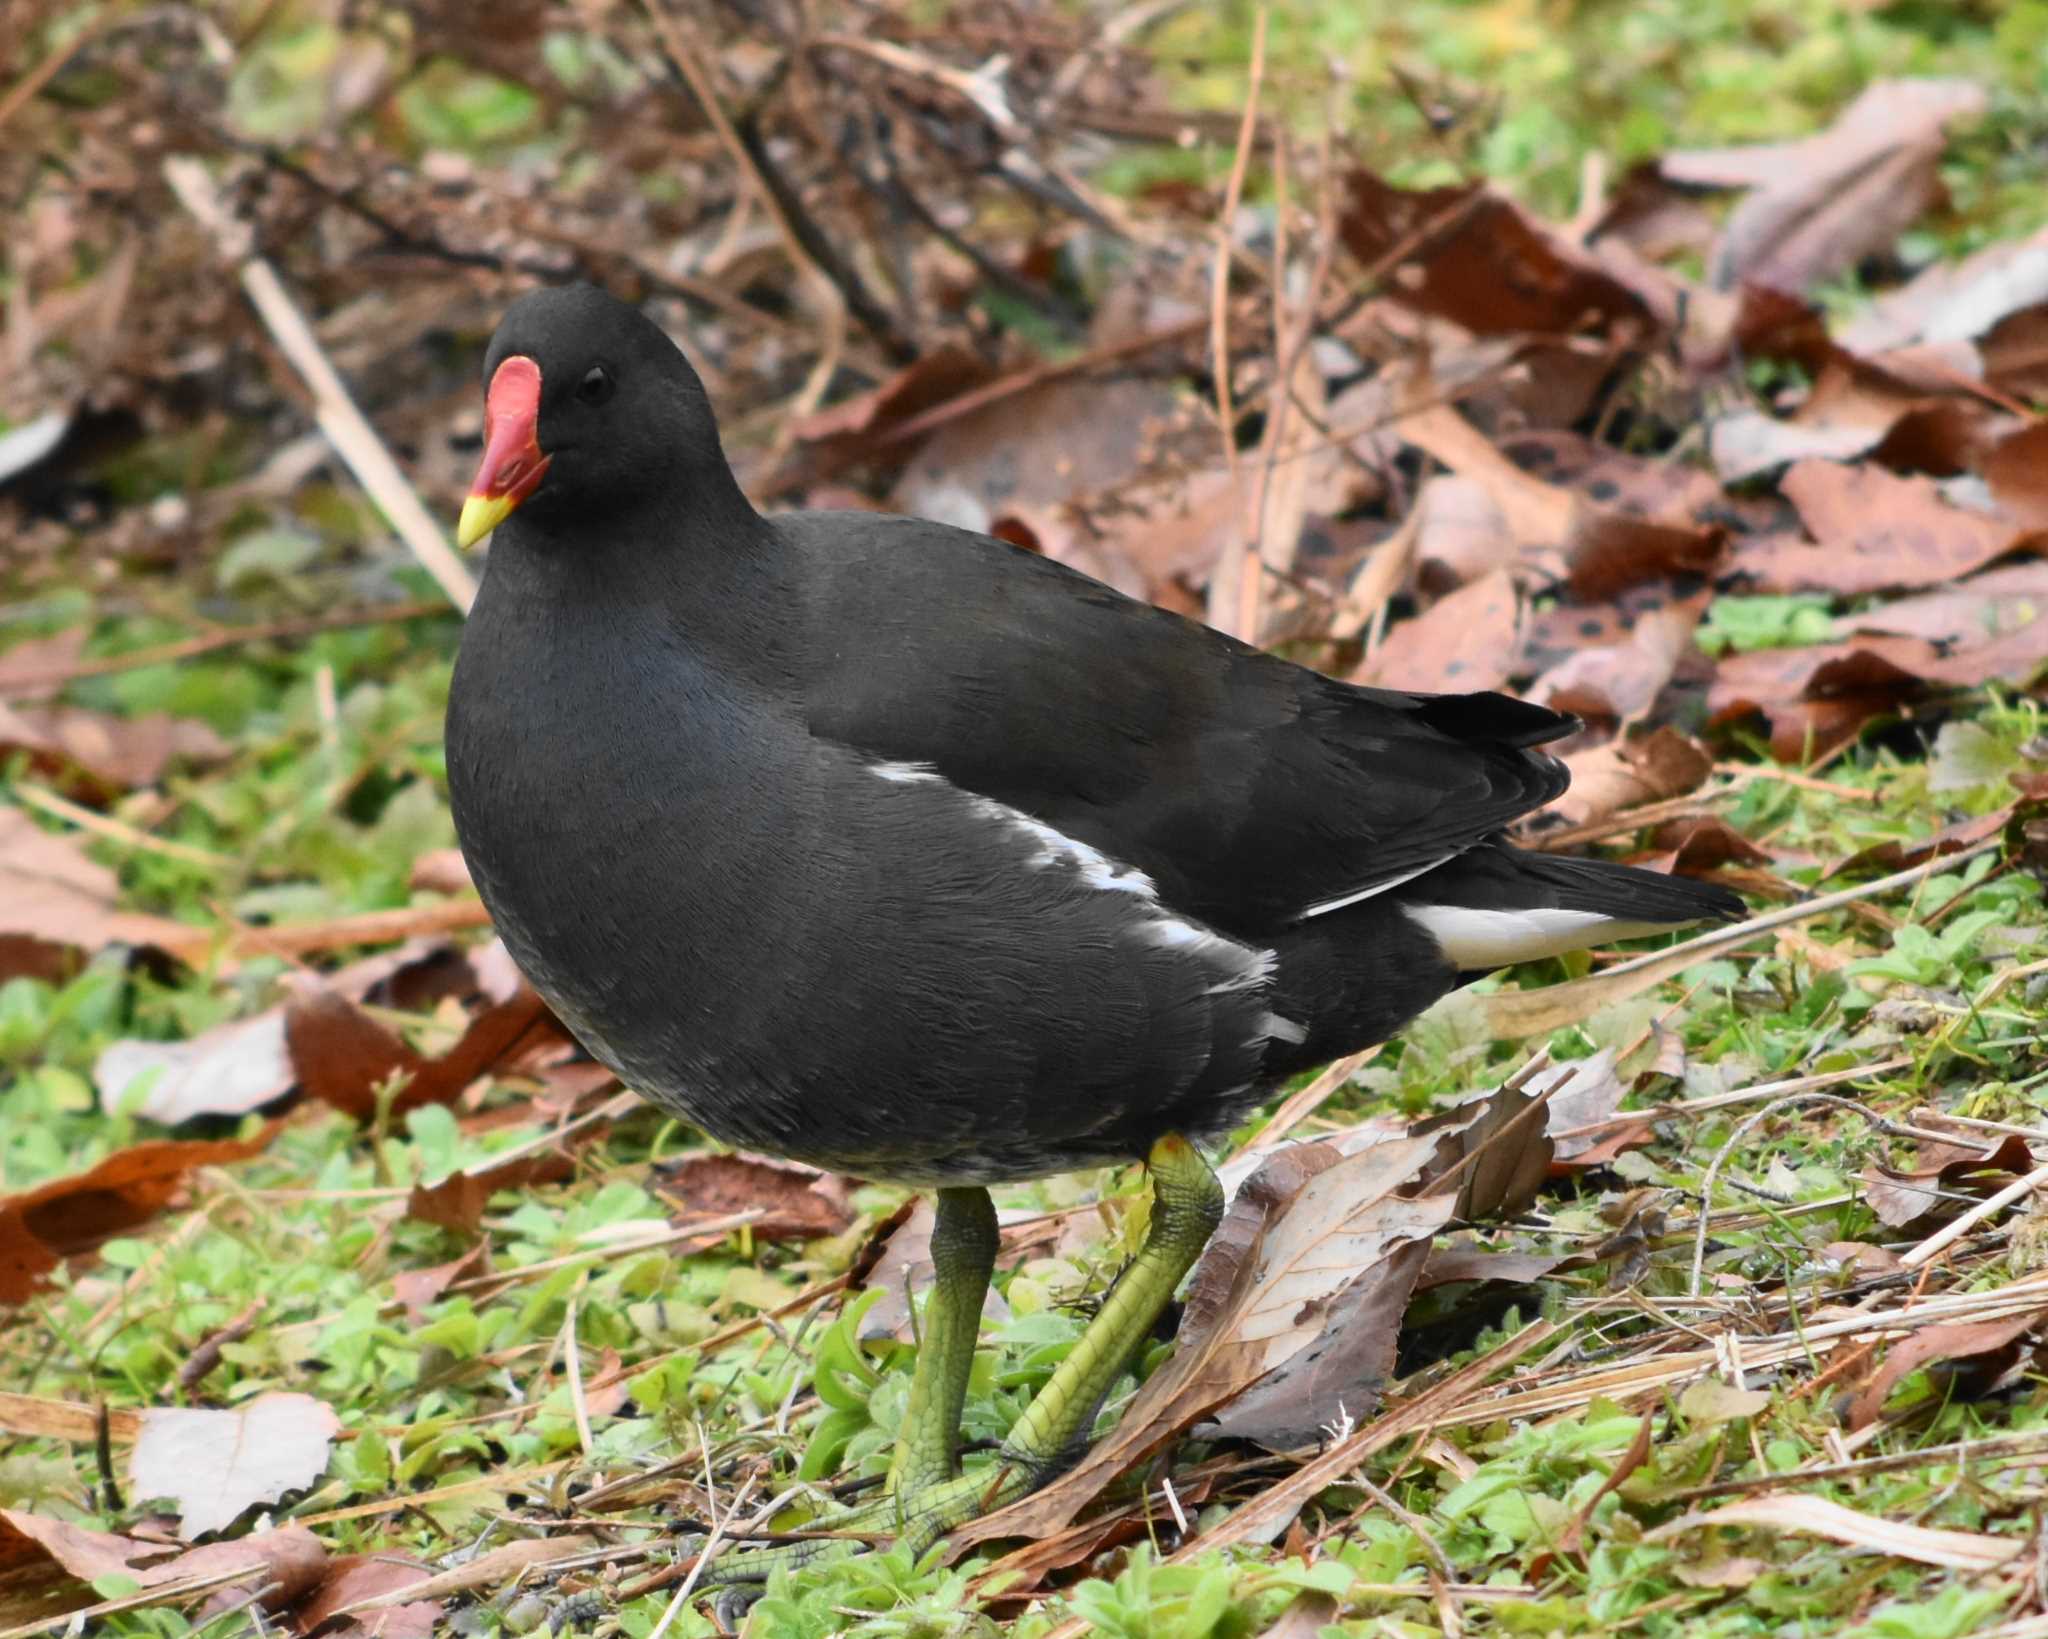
892, 848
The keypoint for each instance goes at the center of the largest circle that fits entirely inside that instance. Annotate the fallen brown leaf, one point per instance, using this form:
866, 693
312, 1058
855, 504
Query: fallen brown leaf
94, 755
1901, 1196
1699, 845
1958, 1340
420, 1289
70, 1217
459, 1201
1465, 641
28, 670
441, 870
1816, 698
1626, 773
51, 1564
797, 1203
216, 1465
1481, 261
52, 895
342, 1056
1874, 532
1954, 301
354, 1577
1885, 857
1822, 203
1620, 682
501, 1566
849, 430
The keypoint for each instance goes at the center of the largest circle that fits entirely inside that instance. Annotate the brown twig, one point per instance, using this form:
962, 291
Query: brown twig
225, 637
207, 1356
687, 59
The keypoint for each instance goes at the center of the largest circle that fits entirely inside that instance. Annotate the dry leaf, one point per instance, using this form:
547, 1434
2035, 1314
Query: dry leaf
853, 427
1460, 535
1873, 532
459, 1201
1882, 858
898, 1264
95, 755
797, 1203
420, 1289
1464, 642
1624, 773
30, 670
1710, 1401
342, 1056
1621, 681
51, 894
47, 1565
217, 1464
1312, 1238
1901, 1197
1488, 266
1954, 301
354, 1577
1816, 1516
1823, 203
1958, 1340
441, 870
229, 1070
69, 1217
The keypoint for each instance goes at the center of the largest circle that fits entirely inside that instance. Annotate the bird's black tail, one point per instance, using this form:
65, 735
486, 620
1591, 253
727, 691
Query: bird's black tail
1498, 905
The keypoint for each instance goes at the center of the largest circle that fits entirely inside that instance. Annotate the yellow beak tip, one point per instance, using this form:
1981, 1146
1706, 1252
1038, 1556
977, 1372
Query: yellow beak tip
480, 515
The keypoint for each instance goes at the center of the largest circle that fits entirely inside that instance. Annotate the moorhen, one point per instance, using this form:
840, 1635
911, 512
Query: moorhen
895, 849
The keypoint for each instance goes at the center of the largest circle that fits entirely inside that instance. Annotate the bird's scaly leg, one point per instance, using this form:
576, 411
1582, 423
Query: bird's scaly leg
929, 1499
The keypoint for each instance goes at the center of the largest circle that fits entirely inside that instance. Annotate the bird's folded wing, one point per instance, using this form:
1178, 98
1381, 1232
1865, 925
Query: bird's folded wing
1252, 792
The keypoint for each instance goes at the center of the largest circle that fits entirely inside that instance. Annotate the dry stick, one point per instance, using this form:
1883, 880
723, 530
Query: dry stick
225, 637
1262, 558
1219, 278
689, 62
334, 410
114, 830
1962, 1451
1946, 1236
24, 90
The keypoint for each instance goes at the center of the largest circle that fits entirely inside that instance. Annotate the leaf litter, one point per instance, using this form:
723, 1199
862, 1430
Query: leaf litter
1510, 451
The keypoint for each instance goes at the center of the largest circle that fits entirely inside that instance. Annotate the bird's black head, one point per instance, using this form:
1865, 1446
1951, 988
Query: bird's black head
589, 410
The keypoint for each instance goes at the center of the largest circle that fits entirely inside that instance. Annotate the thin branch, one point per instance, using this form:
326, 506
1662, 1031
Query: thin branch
335, 412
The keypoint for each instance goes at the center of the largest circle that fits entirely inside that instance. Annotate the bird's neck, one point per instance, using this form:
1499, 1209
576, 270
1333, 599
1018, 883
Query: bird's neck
723, 586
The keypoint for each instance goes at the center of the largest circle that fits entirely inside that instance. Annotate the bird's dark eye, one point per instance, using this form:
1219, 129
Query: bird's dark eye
596, 385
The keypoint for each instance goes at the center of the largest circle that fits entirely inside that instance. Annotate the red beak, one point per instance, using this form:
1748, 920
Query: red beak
513, 464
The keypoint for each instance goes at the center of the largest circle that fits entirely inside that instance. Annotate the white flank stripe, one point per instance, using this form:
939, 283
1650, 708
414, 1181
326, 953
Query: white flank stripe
1475, 939
903, 773
1243, 967
1284, 1029
1097, 869
1377, 888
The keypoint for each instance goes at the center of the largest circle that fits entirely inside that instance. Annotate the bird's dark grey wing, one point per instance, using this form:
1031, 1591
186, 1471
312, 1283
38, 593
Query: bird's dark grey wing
1252, 791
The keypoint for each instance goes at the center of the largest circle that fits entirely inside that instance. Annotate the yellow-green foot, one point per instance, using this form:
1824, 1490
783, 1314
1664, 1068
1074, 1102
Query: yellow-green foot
929, 1498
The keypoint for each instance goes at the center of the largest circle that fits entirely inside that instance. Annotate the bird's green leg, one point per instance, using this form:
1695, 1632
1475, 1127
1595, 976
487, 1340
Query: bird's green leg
1187, 1204
963, 1258
964, 1239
